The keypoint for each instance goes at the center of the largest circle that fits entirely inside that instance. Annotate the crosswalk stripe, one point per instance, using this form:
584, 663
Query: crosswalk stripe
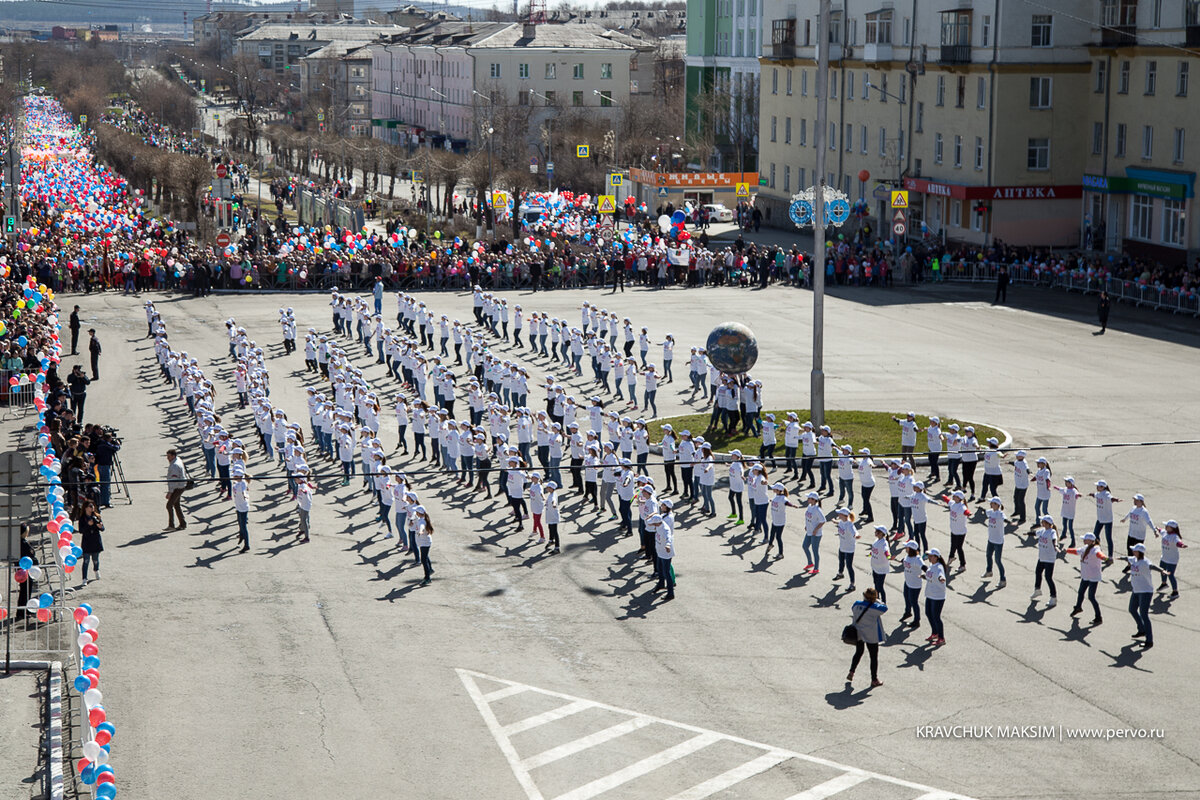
736, 775
507, 691
584, 742
640, 768
547, 716
831, 787
851, 776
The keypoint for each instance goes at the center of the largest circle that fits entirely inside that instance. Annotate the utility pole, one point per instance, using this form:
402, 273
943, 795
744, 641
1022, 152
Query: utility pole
817, 377
12, 182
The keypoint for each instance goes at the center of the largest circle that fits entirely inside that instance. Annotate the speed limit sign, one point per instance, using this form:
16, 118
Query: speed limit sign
898, 229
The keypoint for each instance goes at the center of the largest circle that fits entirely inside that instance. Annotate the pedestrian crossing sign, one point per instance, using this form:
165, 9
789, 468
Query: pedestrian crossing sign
663, 191
615, 179
742, 190
583, 151
607, 204
900, 199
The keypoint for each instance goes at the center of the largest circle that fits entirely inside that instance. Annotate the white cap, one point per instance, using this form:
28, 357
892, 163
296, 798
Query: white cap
933, 551
866, 451
1139, 548
1047, 518
811, 495
911, 545
918, 484
842, 512
1172, 524
1020, 454
1139, 497
958, 494
777, 486
1101, 484
996, 502
881, 529
993, 440
1089, 537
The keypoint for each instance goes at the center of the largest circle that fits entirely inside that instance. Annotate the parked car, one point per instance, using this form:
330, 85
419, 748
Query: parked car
717, 212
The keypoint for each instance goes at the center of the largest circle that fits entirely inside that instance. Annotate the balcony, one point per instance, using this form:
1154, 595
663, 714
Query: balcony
955, 54
875, 53
781, 50
1119, 36
1193, 36
783, 39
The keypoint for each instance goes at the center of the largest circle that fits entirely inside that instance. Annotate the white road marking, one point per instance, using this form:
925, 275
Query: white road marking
770, 757
831, 787
507, 691
643, 767
584, 742
731, 777
547, 716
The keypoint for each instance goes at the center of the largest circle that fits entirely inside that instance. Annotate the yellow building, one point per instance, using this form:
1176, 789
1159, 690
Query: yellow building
978, 116
1140, 169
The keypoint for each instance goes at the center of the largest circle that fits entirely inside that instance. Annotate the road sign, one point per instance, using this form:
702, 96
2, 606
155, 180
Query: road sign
583, 151
606, 204
898, 216
615, 179
663, 191
83, 119
499, 199
549, 167
222, 188
222, 240
14, 509
15, 471
320, 116
742, 190
881, 192
417, 177
899, 229
900, 199
222, 170
10, 226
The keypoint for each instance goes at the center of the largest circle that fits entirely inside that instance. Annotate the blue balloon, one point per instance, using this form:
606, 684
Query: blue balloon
25, 563
88, 775
678, 216
21, 340
45, 600
82, 684
106, 791
91, 662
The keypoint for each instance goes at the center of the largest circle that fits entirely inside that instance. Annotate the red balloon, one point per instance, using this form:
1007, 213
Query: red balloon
95, 634
80, 615
103, 737
96, 716
90, 649
105, 777
83, 764
864, 175
43, 615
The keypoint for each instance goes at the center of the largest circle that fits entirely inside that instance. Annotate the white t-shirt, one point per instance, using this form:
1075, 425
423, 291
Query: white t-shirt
995, 526
908, 433
779, 509
881, 552
935, 582
814, 517
912, 571
1047, 543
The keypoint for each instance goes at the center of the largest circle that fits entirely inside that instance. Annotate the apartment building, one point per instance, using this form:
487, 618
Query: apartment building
431, 85
340, 73
977, 111
1140, 169
724, 42
279, 47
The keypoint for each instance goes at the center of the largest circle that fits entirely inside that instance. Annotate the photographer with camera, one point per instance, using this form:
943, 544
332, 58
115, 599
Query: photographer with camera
105, 449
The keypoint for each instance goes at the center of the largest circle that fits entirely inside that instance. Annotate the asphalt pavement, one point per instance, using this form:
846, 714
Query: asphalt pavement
324, 670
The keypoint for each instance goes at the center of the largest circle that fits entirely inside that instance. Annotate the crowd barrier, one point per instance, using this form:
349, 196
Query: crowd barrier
1134, 292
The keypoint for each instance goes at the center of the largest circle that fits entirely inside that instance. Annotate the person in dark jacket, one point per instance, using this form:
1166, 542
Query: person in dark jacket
90, 527
29, 586
1102, 308
74, 325
105, 450
78, 383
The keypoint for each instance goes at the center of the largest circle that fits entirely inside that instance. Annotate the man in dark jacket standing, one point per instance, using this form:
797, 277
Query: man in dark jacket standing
74, 326
1001, 285
78, 382
94, 349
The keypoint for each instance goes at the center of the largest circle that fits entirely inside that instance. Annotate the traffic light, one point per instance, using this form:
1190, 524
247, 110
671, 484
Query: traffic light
10, 225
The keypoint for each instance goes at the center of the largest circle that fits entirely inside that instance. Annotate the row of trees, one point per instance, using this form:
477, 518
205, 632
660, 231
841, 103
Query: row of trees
173, 181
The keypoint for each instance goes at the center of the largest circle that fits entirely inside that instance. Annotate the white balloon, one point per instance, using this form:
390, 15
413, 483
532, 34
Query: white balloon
91, 622
91, 749
664, 223
35, 572
33, 605
83, 639
92, 697
101, 757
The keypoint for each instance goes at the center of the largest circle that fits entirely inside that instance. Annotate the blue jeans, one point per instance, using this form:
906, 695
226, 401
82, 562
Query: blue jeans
210, 464
826, 475
995, 550
243, 532
1107, 528
706, 494
105, 484
933, 610
905, 519
95, 559
846, 488
846, 565
1040, 507
662, 568
912, 603
812, 549
1068, 527
648, 402
1139, 609
776, 535
1168, 571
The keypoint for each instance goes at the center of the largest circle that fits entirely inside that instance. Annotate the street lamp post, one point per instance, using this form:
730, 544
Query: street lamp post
490, 130
549, 140
817, 376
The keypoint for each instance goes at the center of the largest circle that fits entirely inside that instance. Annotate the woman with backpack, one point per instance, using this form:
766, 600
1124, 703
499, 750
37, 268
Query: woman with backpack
867, 619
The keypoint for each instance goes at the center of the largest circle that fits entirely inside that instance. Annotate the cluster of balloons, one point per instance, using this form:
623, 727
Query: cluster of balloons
673, 226
93, 769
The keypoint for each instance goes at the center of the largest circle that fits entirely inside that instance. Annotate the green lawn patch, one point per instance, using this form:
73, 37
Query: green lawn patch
873, 429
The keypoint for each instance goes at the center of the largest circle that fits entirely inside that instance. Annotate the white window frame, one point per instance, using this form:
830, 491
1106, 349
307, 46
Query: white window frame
937, 148
1147, 142
1041, 88
1174, 222
1034, 145
1141, 217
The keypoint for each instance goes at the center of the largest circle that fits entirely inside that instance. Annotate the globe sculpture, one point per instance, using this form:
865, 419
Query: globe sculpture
732, 348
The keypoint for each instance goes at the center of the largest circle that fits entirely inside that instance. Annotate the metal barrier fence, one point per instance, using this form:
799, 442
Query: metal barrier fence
1174, 300
15, 397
